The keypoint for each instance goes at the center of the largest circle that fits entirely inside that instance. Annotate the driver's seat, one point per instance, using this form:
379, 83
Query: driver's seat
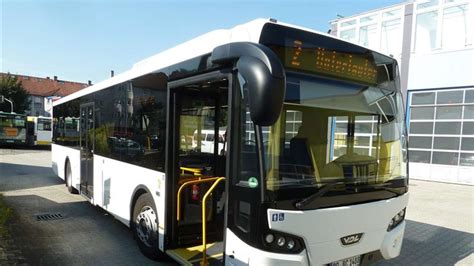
300, 153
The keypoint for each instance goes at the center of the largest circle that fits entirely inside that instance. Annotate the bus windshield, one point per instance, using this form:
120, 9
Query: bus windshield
12, 122
334, 132
12, 128
44, 124
341, 127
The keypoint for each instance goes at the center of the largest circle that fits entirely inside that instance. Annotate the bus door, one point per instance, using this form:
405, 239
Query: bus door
199, 168
87, 148
31, 131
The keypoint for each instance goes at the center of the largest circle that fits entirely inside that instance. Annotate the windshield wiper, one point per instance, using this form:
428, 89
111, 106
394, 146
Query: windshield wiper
323, 190
383, 186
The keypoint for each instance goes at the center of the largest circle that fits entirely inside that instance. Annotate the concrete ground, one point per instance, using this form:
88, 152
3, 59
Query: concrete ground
86, 235
440, 222
440, 225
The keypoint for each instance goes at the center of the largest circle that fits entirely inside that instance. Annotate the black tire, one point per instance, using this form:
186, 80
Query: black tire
145, 227
68, 179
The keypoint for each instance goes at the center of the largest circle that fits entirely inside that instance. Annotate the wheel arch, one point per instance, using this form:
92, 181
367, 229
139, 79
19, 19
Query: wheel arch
66, 161
139, 190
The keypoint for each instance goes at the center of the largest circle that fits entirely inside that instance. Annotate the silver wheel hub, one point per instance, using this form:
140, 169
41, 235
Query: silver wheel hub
146, 225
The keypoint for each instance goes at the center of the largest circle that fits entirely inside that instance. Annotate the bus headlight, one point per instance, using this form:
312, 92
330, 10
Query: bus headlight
290, 245
269, 238
396, 220
282, 242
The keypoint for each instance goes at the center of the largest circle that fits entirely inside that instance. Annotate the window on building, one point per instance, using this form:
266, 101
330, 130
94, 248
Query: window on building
349, 35
368, 19
365, 135
468, 128
446, 97
448, 128
442, 127
368, 36
348, 23
422, 113
423, 98
392, 13
391, 34
421, 128
426, 4
420, 156
448, 158
455, 32
469, 96
469, 112
421, 142
466, 159
426, 31
448, 112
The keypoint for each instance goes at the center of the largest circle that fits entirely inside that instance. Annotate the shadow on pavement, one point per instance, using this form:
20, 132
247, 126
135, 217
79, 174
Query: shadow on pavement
19, 176
426, 244
20, 147
87, 235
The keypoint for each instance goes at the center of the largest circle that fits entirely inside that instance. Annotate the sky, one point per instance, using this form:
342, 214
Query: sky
81, 40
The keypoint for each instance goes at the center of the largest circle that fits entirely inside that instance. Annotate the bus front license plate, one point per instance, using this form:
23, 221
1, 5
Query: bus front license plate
353, 261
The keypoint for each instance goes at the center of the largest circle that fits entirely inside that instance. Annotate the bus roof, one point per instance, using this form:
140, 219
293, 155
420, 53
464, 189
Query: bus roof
6, 114
201, 45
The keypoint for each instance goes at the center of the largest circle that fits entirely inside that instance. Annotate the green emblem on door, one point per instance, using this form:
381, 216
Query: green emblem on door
253, 182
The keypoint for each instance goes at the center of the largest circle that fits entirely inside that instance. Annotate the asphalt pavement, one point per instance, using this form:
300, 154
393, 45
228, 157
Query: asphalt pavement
440, 228
79, 234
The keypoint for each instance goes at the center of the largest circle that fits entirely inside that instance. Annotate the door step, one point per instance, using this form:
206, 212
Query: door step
193, 255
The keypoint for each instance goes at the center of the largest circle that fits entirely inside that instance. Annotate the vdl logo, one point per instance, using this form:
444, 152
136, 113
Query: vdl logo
278, 217
351, 239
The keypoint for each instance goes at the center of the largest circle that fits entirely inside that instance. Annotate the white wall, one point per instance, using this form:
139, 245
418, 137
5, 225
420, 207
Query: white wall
441, 69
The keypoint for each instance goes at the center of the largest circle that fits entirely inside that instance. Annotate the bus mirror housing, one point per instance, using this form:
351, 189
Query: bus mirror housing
263, 74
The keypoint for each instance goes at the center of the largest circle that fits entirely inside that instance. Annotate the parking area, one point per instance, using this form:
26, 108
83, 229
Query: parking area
84, 235
440, 229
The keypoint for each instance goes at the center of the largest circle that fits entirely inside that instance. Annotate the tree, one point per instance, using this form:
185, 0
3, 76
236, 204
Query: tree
12, 89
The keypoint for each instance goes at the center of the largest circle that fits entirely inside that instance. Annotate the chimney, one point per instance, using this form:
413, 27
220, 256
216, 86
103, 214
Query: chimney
89, 82
111, 73
55, 78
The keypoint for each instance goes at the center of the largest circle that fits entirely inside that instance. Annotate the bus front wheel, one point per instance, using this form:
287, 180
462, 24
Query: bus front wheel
145, 226
68, 177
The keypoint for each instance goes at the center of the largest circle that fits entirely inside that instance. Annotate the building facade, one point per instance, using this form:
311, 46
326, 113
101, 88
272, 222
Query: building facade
433, 42
43, 91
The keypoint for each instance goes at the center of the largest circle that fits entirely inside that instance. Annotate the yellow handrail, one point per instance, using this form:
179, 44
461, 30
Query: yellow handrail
195, 171
200, 180
204, 220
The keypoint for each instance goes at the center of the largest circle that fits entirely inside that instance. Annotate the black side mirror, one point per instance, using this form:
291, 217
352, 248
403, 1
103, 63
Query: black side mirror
263, 74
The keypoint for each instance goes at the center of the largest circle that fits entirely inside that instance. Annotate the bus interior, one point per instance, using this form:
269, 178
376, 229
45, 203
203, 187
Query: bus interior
199, 169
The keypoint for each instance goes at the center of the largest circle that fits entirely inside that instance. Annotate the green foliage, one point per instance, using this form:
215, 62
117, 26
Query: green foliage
101, 137
12, 89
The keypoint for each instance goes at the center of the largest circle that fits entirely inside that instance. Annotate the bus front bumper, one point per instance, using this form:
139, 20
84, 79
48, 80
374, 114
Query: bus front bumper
324, 231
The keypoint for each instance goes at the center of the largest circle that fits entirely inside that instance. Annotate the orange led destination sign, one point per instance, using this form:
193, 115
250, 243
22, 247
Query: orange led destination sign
323, 61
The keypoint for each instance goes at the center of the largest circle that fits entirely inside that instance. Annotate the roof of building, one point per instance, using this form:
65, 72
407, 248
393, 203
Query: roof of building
369, 11
47, 86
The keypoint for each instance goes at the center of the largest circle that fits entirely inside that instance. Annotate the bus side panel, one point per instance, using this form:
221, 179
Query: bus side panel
116, 181
43, 137
58, 158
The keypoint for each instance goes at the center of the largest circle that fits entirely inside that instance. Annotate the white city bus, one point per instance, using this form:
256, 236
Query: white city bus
12, 128
314, 168
207, 139
39, 131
